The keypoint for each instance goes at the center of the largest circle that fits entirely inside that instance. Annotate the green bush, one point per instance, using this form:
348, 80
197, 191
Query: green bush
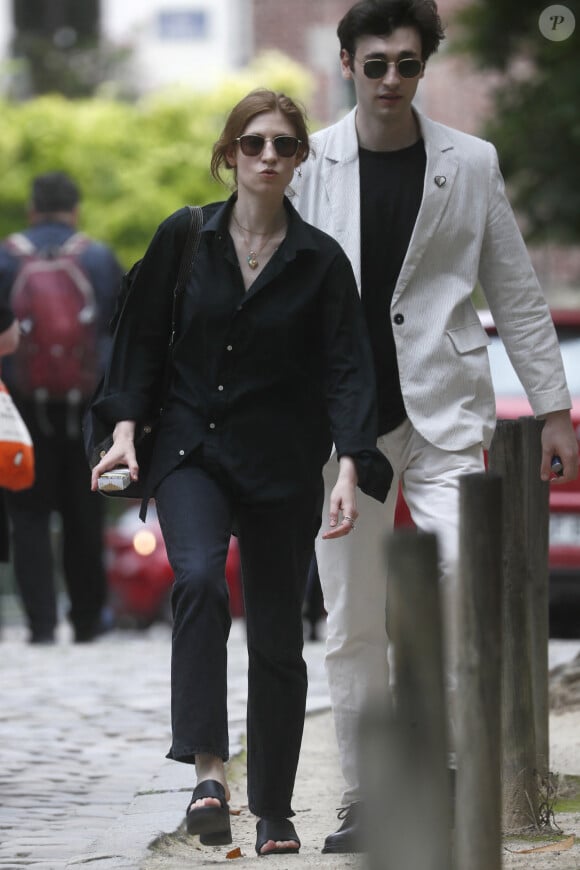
135, 163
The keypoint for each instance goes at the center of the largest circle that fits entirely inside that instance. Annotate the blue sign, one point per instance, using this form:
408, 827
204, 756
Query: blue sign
183, 24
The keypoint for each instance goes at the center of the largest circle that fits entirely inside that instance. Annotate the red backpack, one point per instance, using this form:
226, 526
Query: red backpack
54, 301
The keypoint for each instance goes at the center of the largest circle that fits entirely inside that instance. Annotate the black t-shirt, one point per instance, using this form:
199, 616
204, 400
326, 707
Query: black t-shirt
391, 188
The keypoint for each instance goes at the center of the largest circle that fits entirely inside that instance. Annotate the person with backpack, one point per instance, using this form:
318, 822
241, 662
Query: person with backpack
62, 288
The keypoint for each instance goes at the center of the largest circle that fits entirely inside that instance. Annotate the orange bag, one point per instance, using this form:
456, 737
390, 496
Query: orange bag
16, 450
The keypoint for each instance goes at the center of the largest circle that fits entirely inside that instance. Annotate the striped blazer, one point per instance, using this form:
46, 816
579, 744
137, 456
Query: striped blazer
465, 234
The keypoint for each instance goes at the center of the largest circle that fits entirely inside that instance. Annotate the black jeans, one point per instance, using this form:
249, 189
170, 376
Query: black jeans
62, 485
197, 512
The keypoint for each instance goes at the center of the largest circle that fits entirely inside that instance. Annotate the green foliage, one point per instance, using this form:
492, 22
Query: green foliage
135, 163
536, 124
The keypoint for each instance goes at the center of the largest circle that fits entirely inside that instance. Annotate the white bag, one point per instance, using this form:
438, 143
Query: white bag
16, 450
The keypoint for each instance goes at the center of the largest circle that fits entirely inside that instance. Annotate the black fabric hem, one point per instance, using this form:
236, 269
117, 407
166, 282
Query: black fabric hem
271, 814
188, 756
375, 474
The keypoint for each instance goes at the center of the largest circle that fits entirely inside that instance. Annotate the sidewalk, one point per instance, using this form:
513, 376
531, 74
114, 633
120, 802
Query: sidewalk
83, 734
84, 782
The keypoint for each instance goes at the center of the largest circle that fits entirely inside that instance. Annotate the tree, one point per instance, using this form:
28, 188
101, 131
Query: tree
135, 163
58, 48
536, 123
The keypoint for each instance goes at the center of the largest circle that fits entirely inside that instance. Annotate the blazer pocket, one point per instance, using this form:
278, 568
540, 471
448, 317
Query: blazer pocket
466, 339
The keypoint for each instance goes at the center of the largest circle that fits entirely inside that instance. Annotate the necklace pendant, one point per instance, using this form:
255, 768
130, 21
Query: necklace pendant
252, 260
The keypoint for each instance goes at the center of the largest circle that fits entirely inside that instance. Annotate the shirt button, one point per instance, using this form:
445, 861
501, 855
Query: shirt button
182, 452
212, 425
220, 388
398, 318
229, 347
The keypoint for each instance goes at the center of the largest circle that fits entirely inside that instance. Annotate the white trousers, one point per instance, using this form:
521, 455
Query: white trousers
353, 574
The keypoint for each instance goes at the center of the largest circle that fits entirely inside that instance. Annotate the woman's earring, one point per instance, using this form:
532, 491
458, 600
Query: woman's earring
299, 171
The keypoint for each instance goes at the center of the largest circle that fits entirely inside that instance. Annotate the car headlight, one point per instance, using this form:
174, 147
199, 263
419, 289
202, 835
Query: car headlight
144, 542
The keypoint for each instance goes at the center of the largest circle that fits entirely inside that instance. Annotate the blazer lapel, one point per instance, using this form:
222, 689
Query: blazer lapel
340, 177
440, 173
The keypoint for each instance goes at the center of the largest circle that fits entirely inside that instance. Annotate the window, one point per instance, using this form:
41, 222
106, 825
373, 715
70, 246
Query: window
182, 24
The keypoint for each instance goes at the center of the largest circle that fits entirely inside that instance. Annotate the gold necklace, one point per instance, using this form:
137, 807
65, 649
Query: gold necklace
252, 255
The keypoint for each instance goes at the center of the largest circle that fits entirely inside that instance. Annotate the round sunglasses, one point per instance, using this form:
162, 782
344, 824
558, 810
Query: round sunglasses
252, 144
376, 67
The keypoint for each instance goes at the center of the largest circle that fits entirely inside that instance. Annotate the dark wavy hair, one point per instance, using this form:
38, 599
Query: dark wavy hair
381, 17
256, 103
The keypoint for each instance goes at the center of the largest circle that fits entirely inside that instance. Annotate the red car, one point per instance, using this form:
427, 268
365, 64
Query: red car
511, 403
139, 575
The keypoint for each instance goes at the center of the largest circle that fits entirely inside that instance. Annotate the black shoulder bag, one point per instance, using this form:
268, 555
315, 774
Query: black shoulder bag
97, 435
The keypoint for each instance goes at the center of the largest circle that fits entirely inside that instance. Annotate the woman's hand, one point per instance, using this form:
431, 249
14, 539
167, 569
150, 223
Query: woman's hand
343, 501
121, 453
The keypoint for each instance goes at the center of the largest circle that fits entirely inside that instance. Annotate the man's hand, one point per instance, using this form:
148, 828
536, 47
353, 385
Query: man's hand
559, 439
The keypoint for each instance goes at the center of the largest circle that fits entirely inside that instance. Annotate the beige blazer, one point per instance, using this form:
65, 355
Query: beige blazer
465, 233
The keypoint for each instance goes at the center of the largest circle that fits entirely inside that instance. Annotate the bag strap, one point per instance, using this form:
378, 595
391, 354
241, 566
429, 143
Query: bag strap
186, 264
185, 267
75, 244
20, 245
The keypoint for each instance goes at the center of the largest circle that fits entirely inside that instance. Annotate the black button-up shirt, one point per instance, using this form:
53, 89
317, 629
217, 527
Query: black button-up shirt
263, 380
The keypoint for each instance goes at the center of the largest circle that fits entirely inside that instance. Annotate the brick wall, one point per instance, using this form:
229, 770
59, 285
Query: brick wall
306, 31
283, 24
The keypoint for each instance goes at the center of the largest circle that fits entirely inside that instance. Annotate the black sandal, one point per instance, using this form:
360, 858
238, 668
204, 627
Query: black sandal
276, 829
212, 823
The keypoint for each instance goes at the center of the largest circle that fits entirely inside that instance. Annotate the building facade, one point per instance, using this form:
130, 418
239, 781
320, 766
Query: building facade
185, 42
195, 43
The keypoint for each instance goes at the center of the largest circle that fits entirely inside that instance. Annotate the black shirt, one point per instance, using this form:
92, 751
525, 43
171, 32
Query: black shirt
264, 380
391, 188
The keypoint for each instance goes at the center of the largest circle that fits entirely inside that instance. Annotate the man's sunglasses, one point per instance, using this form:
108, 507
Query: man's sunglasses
252, 144
376, 67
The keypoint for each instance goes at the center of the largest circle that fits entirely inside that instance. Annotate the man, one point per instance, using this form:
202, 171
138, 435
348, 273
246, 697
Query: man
44, 271
420, 209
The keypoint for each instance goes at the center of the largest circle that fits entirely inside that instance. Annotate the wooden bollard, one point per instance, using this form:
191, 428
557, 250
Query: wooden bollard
478, 818
520, 785
537, 505
404, 747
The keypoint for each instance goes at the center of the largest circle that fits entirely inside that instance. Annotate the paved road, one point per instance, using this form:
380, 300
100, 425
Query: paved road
84, 727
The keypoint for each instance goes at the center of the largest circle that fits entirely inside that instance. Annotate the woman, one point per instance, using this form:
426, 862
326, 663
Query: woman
271, 365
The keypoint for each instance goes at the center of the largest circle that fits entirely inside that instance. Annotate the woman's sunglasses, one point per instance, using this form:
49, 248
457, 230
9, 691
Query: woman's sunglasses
407, 67
252, 144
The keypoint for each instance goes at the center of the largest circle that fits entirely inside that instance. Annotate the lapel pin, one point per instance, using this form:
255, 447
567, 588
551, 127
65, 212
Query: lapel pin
440, 180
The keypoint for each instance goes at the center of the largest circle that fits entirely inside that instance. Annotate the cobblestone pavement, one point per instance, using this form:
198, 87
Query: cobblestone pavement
83, 777
84, 728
